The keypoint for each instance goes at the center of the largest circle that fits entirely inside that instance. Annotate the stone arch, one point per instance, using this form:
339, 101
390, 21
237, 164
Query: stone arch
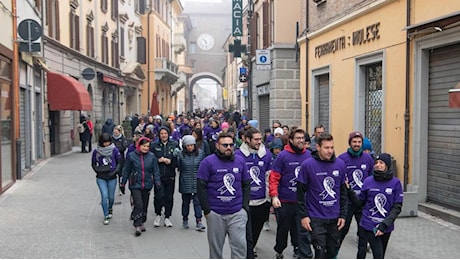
194, 79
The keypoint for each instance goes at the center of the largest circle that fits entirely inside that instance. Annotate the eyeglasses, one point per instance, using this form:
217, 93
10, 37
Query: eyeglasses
227, 145
299, 138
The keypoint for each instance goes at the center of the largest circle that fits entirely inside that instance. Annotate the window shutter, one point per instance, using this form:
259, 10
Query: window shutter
266, 25
56, 20
141, 50
122, 41
72, 30
77, 32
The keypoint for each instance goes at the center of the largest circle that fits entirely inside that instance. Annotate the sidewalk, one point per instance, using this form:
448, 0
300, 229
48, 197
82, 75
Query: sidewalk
54, 212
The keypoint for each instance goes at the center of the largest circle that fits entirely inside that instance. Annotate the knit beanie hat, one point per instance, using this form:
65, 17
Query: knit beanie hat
224, 125
386, 158
165, 128
367, 145
276, 143
278, 130
354, 134
188, 140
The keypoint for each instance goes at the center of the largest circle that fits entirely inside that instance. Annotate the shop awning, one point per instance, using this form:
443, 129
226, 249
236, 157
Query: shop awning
154, 107
66, 93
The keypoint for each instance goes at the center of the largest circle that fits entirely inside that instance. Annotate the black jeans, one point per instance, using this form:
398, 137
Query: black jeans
165, 197
256, 219
141, 204
186, 198
325, 237
288, 221
362, 243
378, 244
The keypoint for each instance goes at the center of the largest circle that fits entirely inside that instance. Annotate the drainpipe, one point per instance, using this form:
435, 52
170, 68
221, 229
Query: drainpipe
15, 85
407, 108
307, 83
148, 56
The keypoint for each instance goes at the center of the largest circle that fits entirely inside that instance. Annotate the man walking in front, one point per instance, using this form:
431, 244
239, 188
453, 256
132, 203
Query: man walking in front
224, 191
258, 161
322, 197
359, 166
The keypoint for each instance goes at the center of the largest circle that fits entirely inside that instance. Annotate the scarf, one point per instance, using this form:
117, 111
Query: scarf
353, 153
106, 151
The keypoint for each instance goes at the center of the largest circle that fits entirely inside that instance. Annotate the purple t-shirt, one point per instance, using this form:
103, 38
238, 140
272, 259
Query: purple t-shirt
257, 167
379, 197
358, 169
323, 180
225, 188
288, 165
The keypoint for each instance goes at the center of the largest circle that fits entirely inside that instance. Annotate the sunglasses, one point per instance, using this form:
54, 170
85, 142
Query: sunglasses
227, 145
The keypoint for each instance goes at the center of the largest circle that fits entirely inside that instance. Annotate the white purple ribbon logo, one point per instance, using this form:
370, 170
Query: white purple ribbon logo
228, 180
328, 184
379, 200
358, 178
254, 172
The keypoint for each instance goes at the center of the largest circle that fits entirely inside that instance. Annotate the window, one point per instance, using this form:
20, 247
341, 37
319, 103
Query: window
122, 41
141, 50
115, 58
114, 9
105, 49
90, 40
104, 6
52, 18
192, 48
74, 31
265, 25
140, 6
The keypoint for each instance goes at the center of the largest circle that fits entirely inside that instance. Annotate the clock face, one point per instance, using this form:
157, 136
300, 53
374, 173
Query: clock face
205, 41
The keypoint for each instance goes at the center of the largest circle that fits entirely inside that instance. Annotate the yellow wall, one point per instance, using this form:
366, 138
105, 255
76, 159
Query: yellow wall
286, 16
423, 10
342, 76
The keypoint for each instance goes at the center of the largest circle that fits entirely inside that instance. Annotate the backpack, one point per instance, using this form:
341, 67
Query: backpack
105, 167
81, 128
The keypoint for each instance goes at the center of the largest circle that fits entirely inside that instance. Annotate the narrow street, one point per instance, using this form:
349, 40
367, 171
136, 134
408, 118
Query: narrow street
54, 212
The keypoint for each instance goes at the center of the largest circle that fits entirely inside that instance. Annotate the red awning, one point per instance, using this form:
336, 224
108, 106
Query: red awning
154, 107
66, 93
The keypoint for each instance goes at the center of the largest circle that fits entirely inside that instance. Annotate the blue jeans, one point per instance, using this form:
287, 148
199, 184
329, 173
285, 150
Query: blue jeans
186, 198
107, 189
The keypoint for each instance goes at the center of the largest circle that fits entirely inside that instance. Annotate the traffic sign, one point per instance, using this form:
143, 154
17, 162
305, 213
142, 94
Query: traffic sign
263, 57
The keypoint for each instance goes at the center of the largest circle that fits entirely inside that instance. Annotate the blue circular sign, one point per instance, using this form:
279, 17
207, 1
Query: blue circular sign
263, 58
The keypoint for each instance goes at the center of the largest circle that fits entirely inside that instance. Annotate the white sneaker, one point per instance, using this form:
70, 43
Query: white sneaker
168, 223
156, 222
266, 226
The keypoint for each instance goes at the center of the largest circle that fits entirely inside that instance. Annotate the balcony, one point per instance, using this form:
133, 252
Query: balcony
166, 70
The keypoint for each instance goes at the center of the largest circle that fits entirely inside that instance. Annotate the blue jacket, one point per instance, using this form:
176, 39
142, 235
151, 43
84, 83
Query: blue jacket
141, 170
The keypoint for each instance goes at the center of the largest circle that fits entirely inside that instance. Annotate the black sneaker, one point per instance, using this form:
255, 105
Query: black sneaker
110, 213
138, 231
279, 256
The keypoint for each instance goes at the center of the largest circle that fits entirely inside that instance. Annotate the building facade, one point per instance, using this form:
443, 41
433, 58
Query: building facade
274, 89
375, 66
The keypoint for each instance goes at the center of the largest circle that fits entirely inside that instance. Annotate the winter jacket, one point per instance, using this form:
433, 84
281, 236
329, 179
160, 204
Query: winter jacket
141, 170
165, 150
108, 126
188, 164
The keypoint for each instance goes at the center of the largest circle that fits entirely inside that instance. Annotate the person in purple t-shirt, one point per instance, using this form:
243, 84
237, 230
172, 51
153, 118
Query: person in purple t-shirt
359, 166
258, 160
381, 198
224, 190
283, 191
322, 197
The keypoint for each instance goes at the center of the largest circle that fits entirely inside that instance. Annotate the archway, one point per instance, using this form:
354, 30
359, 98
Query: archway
199, 76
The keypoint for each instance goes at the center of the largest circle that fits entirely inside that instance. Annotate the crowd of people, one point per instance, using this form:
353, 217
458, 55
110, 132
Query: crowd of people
236, 175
